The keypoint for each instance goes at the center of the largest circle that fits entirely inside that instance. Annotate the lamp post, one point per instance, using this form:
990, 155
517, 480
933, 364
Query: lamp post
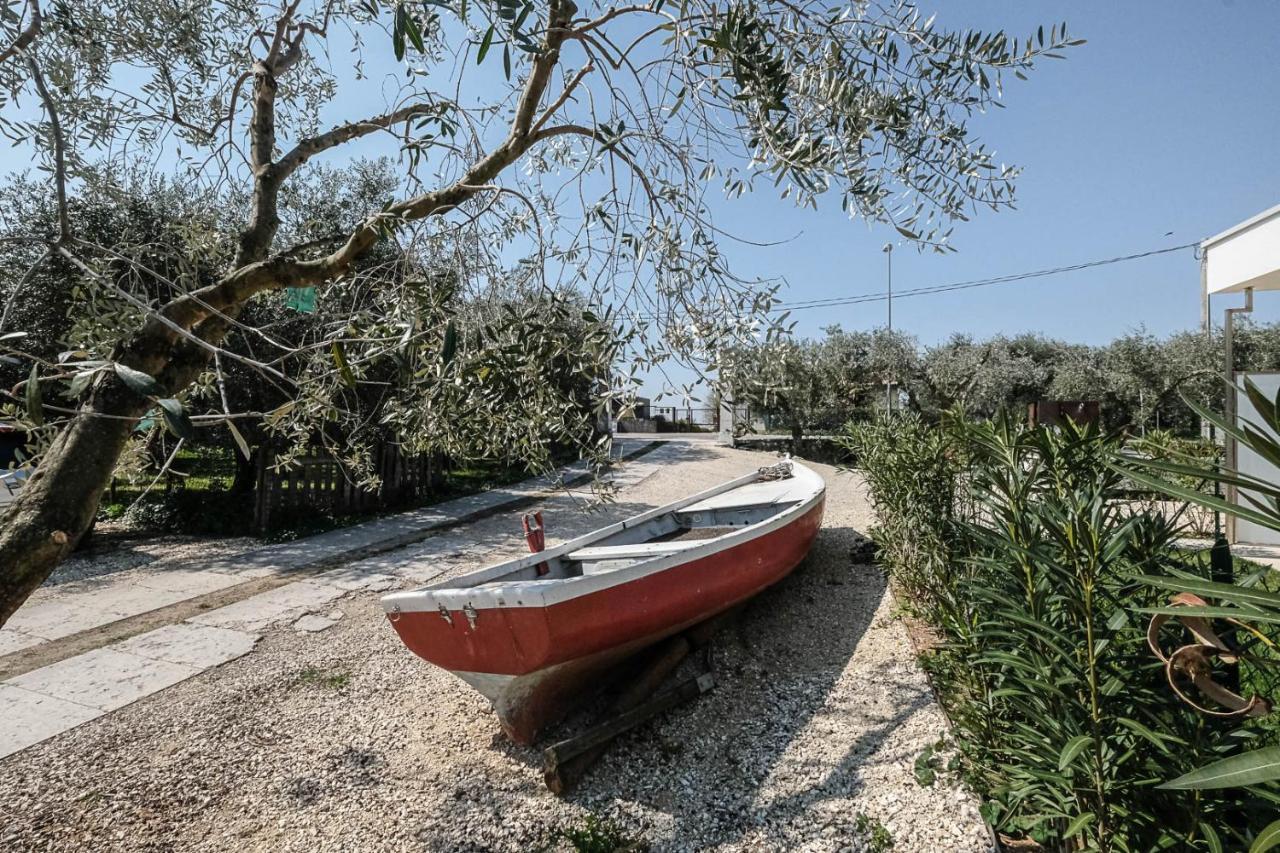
888, 383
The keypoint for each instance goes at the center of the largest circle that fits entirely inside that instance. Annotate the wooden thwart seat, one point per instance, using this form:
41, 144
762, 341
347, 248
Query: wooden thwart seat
638, 551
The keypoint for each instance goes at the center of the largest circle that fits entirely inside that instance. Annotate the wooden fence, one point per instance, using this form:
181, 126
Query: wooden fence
320, 484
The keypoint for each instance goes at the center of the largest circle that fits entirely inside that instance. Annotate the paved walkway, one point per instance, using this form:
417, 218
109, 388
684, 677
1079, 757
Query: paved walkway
1266, 555
407, 549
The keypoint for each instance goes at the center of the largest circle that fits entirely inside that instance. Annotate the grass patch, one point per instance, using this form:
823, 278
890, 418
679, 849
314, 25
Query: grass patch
596, 835
334, 679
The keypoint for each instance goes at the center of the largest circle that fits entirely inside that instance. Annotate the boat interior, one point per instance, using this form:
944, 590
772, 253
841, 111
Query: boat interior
652, 538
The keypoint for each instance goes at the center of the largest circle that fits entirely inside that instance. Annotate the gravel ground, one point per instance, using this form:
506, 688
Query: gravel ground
343, 740
113, 548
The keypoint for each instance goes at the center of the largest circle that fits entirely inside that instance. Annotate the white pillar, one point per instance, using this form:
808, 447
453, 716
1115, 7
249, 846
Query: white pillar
726, 422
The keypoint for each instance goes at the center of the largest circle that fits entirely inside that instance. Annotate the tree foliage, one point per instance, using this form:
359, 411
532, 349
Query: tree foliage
1142, 381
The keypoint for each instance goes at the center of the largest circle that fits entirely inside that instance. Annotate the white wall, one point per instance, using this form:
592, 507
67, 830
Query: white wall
1247, 258
1253, 464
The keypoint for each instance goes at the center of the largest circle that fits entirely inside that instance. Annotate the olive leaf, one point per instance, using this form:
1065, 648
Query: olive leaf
80, 383
344, 368
239, 439
450, 348
137, 381
34, 401
176, 418
485, 43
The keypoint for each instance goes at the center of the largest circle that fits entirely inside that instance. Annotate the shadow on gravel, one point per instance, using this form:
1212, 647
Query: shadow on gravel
775, 667
345, 769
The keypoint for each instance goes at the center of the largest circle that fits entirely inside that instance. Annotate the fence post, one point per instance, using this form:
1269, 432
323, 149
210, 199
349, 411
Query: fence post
262, 493
725, 420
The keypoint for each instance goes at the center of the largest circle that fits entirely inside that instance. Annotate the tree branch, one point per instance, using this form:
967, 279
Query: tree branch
59, 151
564, 96
557, 30
27, 35
205, 311
615, 13
176, 329
308, 148
615, 150
17, 288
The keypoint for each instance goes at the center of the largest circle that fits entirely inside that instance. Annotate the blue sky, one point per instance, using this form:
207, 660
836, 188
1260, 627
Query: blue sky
1167, 120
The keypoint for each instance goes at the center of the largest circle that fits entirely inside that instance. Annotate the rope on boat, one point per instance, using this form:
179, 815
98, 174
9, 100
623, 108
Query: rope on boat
780, 471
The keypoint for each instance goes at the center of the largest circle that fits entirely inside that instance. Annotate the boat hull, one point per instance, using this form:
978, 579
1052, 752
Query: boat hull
533, 663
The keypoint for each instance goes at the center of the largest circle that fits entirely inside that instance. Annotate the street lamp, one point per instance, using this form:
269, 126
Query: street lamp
888, 384
888, 250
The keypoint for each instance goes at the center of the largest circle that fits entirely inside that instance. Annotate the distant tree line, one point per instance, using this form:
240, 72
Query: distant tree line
819, 384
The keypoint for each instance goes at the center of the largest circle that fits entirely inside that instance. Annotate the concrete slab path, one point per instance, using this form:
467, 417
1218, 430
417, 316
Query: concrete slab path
50, 700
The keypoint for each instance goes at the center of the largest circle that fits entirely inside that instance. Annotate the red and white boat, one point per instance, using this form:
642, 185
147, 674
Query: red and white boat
533, 634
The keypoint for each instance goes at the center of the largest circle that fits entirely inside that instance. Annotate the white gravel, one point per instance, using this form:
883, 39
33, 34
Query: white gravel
113, 548
343, 740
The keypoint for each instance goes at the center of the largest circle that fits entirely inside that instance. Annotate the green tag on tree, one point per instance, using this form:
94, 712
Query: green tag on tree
301, 299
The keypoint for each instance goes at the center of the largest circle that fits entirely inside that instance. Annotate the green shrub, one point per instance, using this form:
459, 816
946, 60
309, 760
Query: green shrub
597, 835
213, 512
1063, 718
1250, 600
913, 474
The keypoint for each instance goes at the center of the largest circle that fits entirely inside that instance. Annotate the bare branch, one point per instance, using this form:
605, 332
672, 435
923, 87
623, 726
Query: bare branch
59, 150
17, 288
308, 148
564, 96
26, 36
615, 150
615, 13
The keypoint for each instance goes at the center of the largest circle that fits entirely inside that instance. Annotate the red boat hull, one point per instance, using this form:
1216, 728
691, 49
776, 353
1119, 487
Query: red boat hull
534, 662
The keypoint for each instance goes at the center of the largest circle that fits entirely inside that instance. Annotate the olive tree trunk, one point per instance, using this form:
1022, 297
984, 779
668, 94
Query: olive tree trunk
57, 505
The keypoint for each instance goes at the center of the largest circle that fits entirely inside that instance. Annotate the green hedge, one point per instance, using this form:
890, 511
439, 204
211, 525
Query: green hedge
1019, 547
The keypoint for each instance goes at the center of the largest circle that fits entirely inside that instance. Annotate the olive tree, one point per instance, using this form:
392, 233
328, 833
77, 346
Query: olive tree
820, 384
622, 117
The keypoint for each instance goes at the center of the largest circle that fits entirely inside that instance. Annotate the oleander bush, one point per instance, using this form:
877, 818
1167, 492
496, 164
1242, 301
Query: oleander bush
912, 471
1021, 548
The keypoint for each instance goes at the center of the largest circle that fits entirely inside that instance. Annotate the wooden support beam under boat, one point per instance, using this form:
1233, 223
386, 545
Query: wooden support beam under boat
566, 762
559, 759
563, 766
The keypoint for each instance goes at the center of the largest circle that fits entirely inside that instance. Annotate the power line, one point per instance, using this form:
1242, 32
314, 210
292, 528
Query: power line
965, 285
